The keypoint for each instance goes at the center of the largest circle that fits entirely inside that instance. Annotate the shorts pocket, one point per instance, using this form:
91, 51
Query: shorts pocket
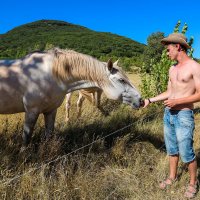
186, 120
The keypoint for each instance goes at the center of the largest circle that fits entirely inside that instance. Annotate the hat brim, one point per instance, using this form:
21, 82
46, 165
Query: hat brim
175, 41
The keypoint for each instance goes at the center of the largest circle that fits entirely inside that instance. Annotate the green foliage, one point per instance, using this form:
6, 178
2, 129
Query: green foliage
155, 82
176, 28
153, 50
45, 34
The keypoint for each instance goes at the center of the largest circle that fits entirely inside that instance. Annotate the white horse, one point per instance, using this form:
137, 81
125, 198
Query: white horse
93, 95
39, 82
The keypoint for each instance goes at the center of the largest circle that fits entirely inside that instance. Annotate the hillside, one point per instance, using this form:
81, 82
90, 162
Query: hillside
43, 34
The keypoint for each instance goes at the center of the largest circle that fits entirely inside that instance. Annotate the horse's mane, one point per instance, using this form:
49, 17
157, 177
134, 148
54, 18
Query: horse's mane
69, 64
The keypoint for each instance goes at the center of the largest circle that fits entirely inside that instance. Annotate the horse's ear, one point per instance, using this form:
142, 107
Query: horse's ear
110, 65
116, 62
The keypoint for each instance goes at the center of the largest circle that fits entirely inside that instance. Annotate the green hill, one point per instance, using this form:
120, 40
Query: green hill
44, 34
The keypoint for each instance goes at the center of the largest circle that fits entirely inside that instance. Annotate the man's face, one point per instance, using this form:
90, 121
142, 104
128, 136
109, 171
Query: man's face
172, 51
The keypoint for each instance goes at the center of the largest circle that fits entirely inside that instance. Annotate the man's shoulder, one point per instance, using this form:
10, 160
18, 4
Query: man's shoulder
194, 63
194, 67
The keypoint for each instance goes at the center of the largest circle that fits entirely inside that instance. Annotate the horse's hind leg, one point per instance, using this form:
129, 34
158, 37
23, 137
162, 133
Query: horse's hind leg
93, 96
30, 120
81, 98
49, 119
68, 105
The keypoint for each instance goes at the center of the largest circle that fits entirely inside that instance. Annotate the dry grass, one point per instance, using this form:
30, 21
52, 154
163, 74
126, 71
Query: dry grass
135, 79
126, 165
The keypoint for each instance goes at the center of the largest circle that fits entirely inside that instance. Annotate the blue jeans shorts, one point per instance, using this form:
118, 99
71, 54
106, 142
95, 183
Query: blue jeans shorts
178, 133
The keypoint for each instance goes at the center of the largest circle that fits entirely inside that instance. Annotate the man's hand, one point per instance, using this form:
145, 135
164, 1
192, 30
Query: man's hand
170, 103
146, 103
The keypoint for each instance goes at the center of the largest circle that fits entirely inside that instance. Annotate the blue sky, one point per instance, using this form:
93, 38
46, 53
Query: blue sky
133, 19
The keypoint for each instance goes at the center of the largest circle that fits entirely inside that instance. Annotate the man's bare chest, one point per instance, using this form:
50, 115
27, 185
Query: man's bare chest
181, 75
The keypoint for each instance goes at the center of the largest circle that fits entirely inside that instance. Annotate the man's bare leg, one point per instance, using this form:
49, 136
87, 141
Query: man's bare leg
192, 187
173, 165
192, 167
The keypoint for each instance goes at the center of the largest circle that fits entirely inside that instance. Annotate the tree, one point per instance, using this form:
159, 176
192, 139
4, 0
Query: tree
153, 50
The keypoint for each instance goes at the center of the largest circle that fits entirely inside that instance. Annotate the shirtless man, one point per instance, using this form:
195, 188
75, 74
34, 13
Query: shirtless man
183, 90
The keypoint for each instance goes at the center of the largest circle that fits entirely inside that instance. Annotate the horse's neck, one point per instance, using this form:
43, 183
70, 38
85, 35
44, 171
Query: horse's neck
77, 73
83, 78
81, 84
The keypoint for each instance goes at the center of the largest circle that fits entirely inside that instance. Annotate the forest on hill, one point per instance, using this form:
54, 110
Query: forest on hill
45, 34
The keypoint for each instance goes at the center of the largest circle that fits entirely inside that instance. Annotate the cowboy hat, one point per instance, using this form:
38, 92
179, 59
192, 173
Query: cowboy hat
176, 38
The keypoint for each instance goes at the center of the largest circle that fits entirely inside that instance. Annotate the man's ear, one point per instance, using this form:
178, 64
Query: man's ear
178, 46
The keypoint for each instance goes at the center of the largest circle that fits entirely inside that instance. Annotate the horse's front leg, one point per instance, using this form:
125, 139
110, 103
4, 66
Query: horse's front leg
49, 119
98, 94
30, 120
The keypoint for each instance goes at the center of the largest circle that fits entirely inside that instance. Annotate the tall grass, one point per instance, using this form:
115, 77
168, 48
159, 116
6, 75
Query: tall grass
127, 164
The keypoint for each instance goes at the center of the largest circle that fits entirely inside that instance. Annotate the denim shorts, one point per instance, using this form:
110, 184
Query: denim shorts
178, 133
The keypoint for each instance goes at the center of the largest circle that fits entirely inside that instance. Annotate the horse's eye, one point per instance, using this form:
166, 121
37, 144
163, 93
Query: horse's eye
122, 80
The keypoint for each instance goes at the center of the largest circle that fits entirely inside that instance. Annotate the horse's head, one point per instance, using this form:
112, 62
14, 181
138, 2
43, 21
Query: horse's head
79, 71
121, 88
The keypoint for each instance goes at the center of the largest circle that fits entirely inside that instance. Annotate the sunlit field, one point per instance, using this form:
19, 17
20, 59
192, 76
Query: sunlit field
117, 154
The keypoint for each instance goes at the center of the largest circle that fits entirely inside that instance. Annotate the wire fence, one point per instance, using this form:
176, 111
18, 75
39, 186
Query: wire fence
7, 181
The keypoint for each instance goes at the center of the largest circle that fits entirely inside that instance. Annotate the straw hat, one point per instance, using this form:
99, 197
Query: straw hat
177, 38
